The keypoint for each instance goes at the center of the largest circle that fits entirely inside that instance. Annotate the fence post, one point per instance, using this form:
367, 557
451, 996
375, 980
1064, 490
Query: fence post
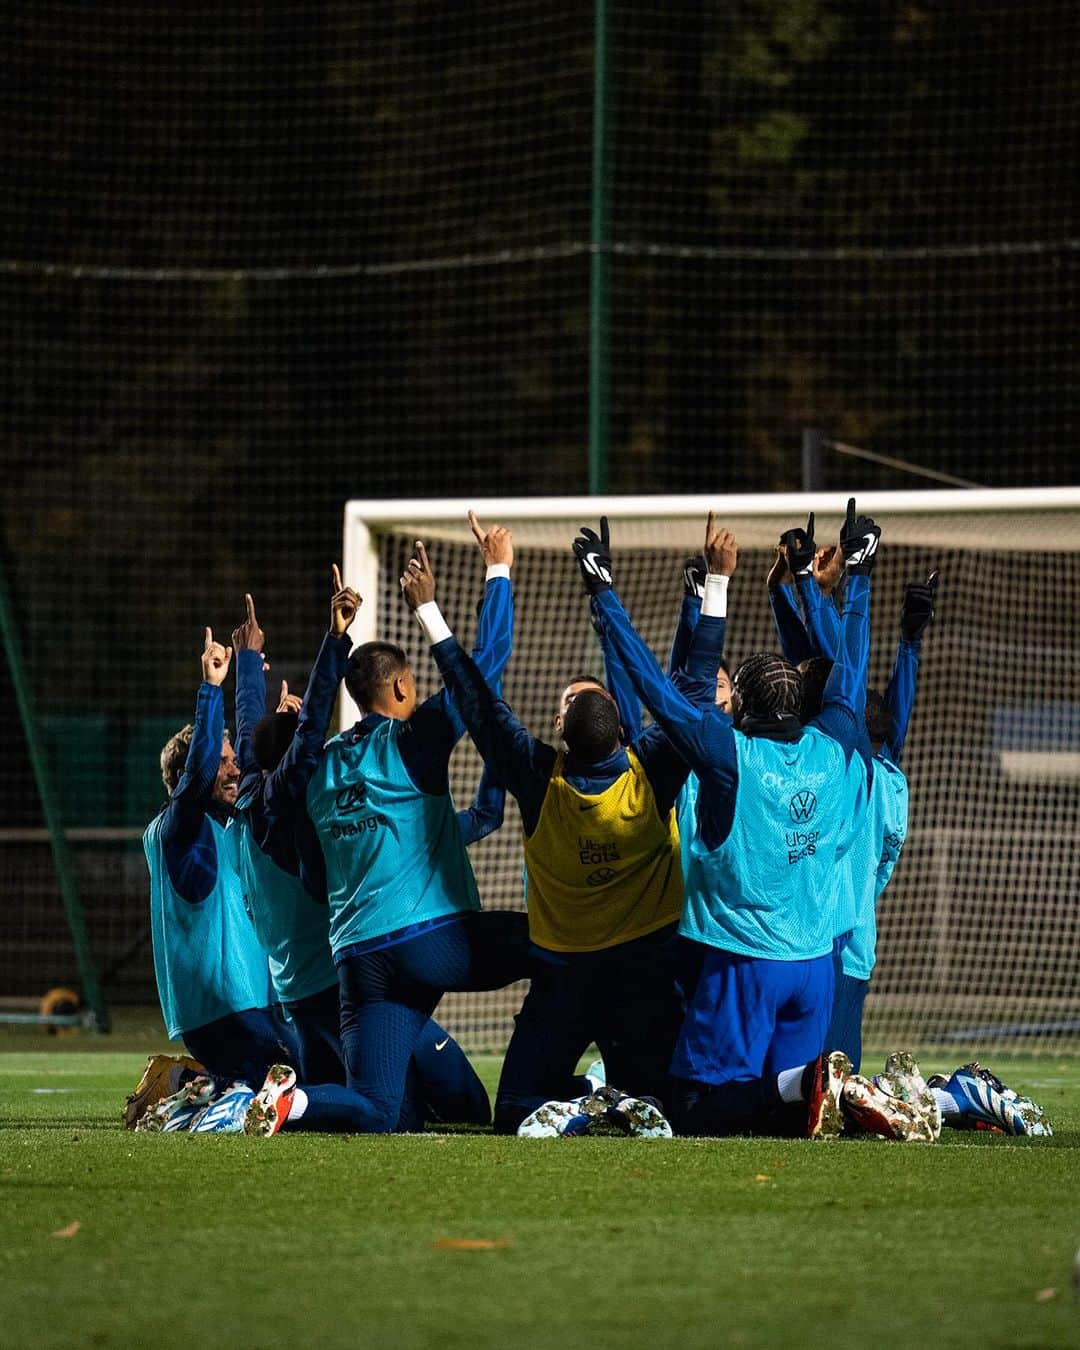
62, 860
812, 477
599, 262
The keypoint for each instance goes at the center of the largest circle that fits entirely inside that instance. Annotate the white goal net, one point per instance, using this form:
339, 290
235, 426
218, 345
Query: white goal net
979, 930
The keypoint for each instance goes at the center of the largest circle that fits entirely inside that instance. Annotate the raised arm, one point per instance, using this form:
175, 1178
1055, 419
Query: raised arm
787, 619
249, 642
694, 573
438, 722
286, 787
915, 616
517, 760
192, 869
703, 736
844, 700
815, 591
696, 677
484, 815
620, 688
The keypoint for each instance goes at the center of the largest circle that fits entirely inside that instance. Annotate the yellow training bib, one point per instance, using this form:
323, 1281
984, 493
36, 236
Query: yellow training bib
601, 869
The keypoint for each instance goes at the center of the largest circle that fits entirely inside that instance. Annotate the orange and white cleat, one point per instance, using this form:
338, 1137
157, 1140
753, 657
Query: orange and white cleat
824, 1117
272, 1104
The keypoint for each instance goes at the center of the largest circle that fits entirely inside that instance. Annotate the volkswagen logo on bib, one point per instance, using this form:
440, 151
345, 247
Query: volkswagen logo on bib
802, 806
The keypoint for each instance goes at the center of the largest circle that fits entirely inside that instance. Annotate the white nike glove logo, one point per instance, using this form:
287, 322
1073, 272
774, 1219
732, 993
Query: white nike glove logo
592, 564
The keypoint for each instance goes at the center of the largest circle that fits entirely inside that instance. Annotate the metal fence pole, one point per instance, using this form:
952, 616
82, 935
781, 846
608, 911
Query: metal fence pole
62, 859
599, 262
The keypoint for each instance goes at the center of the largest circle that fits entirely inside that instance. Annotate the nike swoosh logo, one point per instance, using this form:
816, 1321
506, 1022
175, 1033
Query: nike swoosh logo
441, 1045
595, 568
871, 541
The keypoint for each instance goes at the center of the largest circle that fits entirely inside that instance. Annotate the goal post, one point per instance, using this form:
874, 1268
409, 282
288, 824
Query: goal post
979, 931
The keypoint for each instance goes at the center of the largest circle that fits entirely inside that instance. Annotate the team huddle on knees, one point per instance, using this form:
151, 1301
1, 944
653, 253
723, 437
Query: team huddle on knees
700, 891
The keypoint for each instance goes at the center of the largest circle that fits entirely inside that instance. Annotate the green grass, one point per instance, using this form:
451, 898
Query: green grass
323, 1241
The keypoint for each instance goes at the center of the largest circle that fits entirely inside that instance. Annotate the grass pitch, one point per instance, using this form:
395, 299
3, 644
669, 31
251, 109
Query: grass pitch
116, 1239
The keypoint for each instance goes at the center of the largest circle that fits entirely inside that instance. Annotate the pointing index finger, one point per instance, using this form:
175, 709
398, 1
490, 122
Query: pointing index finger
208, 639
851, 512
335, 573
474, 525
421, 553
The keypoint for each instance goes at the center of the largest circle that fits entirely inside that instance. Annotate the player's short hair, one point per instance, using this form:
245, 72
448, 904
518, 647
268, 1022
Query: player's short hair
815, 676
272, 736
879, 719
372, 666
591, 726
585, 679
767, 686
174, 755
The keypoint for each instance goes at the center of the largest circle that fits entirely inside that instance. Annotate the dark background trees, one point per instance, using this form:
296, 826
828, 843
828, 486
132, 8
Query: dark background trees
256, 259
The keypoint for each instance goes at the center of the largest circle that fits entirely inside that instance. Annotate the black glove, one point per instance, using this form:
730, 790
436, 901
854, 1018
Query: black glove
859, 538
918, 607
593, 553
693, 575
800, 548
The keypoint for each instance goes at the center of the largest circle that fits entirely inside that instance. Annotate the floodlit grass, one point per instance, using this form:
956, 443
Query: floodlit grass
323, 1241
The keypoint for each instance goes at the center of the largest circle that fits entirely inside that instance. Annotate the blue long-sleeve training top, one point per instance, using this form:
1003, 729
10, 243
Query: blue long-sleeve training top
188, 841
524, 764
704, 735
435, 727
277, 813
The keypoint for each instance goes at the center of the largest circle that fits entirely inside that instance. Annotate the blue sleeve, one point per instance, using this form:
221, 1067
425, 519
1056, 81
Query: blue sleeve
285, 790
186, 836
621, 690
664, 767
485, 815
250, 705
900, 695
518, 761
689, 613
437, 725
704, 737
701, 665
843, 713
822, 619
794, 644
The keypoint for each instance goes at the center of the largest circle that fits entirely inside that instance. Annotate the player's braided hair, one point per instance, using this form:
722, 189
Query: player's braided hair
767, 686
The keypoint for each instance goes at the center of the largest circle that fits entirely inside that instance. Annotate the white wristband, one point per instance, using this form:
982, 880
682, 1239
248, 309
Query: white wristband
432, 622
497, 570
714, 601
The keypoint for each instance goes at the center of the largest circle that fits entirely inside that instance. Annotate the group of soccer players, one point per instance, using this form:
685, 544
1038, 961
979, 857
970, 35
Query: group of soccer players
700, 892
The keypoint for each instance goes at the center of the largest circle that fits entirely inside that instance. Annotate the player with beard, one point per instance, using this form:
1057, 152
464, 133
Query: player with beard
212, 976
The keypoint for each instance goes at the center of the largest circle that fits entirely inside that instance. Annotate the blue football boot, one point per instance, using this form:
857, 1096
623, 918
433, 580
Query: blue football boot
984, 1102
225, 1114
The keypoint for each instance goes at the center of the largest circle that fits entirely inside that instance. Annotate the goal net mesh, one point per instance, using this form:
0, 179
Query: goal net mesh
979, 930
